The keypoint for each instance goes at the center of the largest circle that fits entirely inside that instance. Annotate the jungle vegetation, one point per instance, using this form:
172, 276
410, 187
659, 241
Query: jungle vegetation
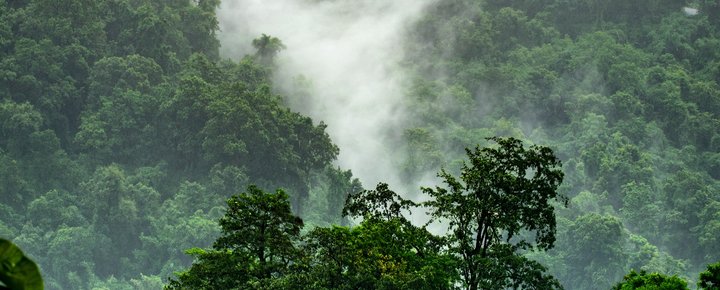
127, 140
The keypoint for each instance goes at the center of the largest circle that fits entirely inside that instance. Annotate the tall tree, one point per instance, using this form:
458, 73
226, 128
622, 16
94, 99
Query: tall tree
267, 48
502, 194
263, 225
258, 239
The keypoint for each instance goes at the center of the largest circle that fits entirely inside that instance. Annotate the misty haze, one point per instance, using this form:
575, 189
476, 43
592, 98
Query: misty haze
349, 52
366, 144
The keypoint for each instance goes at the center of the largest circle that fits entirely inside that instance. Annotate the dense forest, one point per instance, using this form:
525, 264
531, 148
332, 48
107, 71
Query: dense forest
133, 155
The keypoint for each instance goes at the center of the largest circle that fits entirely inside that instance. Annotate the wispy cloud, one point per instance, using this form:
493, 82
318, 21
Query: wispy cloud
350, 51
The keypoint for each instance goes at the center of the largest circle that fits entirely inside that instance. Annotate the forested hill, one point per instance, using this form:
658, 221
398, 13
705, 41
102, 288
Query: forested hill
124, 133
627, 94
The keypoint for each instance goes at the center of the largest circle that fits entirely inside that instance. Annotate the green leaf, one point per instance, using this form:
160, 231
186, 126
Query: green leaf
17, 271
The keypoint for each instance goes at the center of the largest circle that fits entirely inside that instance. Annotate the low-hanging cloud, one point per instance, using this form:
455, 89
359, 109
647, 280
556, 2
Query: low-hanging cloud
350, 51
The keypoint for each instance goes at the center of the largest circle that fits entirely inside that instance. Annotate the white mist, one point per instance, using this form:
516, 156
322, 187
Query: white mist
349, 50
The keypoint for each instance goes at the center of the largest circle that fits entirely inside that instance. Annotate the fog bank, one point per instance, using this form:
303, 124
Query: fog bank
349, 51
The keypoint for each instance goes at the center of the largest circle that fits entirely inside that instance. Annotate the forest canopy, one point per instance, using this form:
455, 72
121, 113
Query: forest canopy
505, 191
124, 133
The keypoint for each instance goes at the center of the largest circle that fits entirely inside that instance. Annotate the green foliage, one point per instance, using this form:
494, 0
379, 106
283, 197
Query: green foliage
377, 254
423, 153
621, 91
260, 244
379, 204
213, 270
341, 184
261, 247
122, 134
502, 192
258, 239
112, 127
595, 246
710, 278
646, 281
402, 255
238, 131
267, 48
263, 226
17, 271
